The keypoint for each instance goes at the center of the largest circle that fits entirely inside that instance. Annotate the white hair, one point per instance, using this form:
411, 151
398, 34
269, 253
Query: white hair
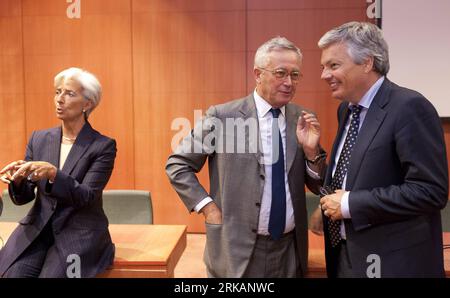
92, 90
363, 40
274, 44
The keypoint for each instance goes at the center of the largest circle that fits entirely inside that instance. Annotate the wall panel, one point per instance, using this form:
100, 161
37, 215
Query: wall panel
99, 41
12, 129
158, 60
181, 63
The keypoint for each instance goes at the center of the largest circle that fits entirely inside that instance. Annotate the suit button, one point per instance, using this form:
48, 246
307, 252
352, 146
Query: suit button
258, 204
53, 207
262, 176
254, 231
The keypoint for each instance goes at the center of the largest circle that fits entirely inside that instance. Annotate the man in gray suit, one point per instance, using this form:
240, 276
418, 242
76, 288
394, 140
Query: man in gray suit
255, 211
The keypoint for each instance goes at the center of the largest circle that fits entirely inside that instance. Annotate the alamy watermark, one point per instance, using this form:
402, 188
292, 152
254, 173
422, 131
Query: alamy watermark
74, 9
74, 266
374, 9
374, 269
232, 135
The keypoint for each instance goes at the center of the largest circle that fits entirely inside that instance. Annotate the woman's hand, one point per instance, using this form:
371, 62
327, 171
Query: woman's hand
35, 170
8, 171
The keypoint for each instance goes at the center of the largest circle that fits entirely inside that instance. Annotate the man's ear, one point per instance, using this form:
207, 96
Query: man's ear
257, 73
368, 64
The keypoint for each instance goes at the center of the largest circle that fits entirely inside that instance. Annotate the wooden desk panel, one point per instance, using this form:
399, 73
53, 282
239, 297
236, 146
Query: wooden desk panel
316, 261
141, 250
316, 258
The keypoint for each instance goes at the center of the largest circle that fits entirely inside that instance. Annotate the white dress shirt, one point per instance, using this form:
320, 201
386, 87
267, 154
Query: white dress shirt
265, 130
65, 150
265, 119
365, 103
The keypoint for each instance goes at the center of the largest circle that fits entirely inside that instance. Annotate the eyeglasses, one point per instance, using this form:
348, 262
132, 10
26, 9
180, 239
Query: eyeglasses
325, 190
281, 73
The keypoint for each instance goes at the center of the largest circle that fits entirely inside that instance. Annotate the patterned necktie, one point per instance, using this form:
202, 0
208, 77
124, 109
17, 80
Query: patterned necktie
277, 220
342, 167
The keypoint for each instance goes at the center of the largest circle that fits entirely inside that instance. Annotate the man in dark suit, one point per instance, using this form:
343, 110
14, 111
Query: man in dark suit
255, 210
388, 165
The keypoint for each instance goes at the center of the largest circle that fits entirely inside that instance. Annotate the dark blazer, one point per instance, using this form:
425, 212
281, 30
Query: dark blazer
72, 205
398, 180
236, 186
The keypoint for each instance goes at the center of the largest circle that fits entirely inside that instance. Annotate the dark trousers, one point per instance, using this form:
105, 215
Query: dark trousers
344, 266
40, 259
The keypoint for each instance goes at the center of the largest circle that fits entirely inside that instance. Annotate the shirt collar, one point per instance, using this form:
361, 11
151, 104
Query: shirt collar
367, 99
263, 107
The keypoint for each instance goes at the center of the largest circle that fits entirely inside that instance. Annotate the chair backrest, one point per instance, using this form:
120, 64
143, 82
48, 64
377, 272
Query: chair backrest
121, 207
312, 201
445, 215
128, 206
11, 211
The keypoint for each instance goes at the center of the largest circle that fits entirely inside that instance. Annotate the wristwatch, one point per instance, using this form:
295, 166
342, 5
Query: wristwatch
317, 158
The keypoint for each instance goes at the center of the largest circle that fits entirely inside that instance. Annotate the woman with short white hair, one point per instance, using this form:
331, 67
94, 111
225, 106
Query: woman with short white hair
65, 170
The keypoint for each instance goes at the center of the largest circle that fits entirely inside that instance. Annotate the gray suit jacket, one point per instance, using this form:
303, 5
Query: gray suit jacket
72, 205
236, 185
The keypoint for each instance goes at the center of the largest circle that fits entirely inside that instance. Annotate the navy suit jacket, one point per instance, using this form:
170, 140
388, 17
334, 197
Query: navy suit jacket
72, 205
398, 182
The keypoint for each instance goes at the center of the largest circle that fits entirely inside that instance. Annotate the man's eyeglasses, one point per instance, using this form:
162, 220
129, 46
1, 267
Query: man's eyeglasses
281, 73
325, 190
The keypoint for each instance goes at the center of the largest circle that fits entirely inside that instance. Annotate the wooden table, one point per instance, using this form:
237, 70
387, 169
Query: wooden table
316, 262
141, 250
446, 237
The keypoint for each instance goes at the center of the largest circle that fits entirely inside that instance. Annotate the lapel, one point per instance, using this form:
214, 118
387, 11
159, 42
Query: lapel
54, 146
248, 110
51, 150
372, 122
80, 146
291, 136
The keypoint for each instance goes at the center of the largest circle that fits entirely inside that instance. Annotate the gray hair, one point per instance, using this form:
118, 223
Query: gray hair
363, 40
92, 90
276, 43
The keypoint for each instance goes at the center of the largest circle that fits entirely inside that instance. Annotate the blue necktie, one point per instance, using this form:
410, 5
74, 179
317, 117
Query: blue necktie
342, 168
277, 219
